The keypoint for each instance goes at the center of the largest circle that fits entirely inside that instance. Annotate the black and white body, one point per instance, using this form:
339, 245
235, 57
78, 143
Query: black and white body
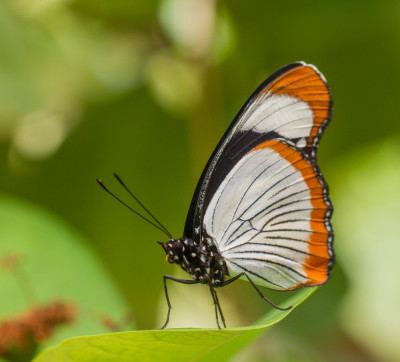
201, 260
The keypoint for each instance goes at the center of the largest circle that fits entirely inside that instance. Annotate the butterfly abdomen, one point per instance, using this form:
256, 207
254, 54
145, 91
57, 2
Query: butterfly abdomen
203, 262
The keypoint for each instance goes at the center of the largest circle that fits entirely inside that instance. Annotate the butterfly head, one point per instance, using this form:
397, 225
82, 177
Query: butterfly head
179, 250
172, 250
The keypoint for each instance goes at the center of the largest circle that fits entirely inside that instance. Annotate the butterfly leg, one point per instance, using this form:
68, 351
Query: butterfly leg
236, 277
263, 296
217, 307
220, 310
182, 281
229, 281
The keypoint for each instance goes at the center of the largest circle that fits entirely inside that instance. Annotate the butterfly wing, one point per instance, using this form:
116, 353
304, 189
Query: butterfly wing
261, 198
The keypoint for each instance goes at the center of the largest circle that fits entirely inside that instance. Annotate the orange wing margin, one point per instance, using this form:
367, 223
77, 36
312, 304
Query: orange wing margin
318, 264
309, 85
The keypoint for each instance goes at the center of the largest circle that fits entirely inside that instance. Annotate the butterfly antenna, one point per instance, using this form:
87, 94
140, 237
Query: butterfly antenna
134, 211
141, 204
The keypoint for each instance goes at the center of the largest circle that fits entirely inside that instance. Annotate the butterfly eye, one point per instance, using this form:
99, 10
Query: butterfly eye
170, 258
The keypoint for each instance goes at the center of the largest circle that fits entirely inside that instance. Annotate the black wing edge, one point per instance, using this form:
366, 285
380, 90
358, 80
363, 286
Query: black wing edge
190, 219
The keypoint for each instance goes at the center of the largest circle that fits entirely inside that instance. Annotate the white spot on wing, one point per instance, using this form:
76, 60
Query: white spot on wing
301, 143
286, 115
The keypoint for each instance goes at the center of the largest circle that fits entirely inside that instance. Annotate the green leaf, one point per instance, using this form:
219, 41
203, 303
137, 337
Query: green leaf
55, 263
167, 345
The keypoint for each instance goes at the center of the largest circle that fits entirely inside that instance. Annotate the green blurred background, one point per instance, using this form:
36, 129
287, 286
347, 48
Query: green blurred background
146, 89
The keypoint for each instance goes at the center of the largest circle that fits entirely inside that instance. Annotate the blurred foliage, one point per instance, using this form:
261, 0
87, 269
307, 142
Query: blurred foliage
370, 259
42, 260
146, 89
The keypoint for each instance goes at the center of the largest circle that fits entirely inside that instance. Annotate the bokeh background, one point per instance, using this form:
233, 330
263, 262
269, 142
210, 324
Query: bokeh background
146, 89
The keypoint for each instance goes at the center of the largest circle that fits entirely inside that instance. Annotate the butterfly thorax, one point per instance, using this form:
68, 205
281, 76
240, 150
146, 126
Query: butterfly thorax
202, 261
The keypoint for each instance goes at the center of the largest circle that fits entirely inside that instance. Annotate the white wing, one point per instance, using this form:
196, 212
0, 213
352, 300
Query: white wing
270, 218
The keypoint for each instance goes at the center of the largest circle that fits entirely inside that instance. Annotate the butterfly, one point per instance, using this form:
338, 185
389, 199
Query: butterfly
261, 209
